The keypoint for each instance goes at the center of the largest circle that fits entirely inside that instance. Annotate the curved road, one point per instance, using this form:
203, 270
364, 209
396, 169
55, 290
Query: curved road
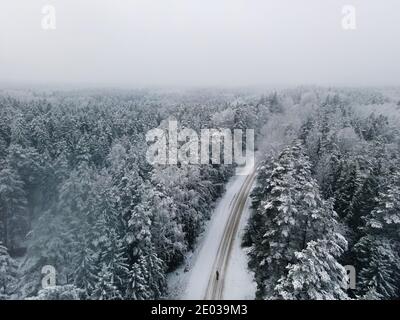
215, 287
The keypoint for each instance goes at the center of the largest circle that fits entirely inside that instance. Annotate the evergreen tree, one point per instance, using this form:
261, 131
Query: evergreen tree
378, 262
139, 289
364, 200
377, 251
77, 192
8, 274
292, 214
65, 292
316, 274
13, 218
105, 287
110, 283
385, 218
349, 183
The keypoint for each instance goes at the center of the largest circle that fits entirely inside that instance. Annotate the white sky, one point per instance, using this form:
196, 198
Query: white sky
200, 42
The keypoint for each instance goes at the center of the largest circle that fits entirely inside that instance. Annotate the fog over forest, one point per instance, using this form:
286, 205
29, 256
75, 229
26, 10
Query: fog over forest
199, 150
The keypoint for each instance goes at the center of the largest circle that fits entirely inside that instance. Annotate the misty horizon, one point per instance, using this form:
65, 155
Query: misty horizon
199, 44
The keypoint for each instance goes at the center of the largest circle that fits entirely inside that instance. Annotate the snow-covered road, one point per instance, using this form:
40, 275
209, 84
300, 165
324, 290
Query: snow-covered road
219, 249
215, 285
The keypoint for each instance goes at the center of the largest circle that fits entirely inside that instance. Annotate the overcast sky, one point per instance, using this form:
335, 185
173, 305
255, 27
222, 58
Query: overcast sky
200, 42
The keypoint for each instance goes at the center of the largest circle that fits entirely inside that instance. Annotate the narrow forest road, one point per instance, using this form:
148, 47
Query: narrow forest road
217, 246
215, 287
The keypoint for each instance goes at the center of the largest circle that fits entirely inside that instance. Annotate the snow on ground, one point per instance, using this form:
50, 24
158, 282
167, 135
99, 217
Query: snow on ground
192, 284
239, 281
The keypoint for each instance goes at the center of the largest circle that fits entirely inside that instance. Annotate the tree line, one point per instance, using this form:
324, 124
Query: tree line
330, 198
77, 193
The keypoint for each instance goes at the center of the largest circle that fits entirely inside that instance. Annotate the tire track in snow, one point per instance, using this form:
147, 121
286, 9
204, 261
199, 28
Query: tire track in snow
215, 287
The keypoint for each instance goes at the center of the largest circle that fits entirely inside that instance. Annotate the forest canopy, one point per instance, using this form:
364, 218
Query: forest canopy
77, 193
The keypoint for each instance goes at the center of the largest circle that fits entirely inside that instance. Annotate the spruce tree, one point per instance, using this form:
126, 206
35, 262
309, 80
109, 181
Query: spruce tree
292, 214
378, 262
349, 184
316, 274
13, 217
62, 292
378, 250
8, 274
385, 218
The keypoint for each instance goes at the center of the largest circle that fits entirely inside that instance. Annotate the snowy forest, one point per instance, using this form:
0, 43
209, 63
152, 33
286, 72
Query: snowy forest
328, 198
77, 193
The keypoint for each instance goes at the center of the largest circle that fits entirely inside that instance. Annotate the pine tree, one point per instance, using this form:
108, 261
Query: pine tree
167, 231
147, 277
19, 130
105, 287
13, 218
108, 240
139, 289
378, 250
27, 163
86, 270
64, 236
8, 274
349, 183
65, 292
365, 200
378, 260
316, 274
386, 216
113, 270
291, 214
157, 279
328, 172
255, 224
145, 264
